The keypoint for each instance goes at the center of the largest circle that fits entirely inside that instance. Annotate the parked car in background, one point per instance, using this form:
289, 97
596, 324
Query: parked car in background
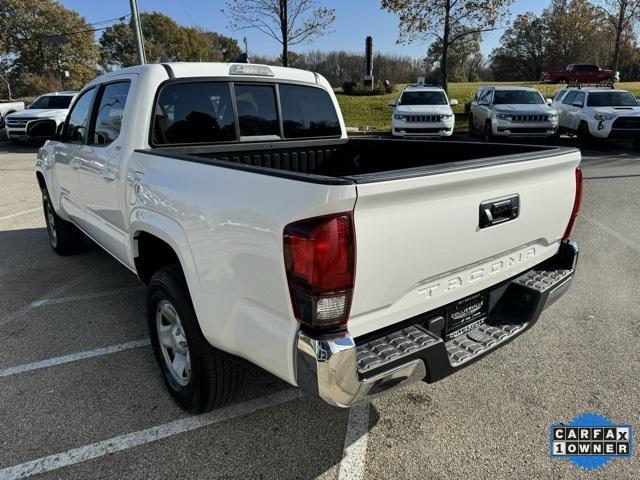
511, 112
51, 106
594, 113
581, 73
422, 111
9, 107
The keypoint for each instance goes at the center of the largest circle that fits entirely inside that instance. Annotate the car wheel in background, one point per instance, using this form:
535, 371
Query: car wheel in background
585, 138
487, 134
64, 237
198, 376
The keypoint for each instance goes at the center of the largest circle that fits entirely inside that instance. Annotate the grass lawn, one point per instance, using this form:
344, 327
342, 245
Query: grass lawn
374, 111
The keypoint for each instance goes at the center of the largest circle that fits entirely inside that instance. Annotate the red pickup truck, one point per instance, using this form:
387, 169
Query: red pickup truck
580, 73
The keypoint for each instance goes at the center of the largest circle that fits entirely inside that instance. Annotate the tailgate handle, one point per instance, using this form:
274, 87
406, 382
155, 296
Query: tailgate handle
494, 212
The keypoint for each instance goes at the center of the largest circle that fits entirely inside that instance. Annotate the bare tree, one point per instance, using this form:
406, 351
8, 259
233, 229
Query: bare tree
290, 22
622, 15
446, 21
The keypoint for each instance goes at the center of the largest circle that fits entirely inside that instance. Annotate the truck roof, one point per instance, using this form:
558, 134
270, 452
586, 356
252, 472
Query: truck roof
217, 69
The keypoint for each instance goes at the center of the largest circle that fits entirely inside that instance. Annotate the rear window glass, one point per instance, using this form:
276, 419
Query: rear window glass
199, 112
308, 112
257, 113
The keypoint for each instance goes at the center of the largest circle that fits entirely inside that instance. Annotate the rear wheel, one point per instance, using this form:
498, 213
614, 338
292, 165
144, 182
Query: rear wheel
64, 237
198, 376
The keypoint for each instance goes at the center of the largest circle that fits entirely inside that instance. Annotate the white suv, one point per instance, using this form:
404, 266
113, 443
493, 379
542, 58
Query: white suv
598, 113
422, 112
511, 112
54, 106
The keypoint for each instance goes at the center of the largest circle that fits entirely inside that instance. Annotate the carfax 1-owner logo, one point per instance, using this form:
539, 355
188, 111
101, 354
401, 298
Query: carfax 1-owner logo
591, 440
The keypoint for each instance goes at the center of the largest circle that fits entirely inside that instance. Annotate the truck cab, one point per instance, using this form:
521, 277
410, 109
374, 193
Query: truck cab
422, 111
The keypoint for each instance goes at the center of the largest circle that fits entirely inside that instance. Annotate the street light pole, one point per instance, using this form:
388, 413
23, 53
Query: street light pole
137, 30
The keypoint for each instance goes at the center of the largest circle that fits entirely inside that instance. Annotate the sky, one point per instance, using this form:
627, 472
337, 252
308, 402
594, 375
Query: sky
355, 19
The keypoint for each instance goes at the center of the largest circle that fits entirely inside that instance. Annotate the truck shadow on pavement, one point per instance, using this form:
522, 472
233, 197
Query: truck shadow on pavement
56, 306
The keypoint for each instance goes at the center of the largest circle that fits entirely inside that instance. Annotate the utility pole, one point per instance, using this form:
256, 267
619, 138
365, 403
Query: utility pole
137, 30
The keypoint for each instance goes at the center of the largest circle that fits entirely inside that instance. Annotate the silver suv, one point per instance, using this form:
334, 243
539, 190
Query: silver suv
511, 112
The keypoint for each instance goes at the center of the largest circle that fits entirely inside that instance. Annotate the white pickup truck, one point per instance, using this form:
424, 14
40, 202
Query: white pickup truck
345, 266
7, 108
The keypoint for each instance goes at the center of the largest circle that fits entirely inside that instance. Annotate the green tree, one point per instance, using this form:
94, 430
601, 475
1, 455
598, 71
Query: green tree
520, 55
576, 32
464, 58
622, 16
164, 41
42, 38
446, 21
290, 22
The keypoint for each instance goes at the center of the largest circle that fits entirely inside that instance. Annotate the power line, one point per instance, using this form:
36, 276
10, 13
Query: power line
78, 32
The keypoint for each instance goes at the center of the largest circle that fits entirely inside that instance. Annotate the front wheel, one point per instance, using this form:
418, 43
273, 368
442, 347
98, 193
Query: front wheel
64, 237
585, 139
198, 376
487, 133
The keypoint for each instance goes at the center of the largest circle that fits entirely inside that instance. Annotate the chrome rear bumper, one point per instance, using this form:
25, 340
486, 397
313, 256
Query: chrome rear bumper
343, 371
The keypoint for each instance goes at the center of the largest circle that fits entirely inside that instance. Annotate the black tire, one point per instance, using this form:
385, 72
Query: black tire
487, 134
472, 132
214, 377
64, 237
636, 143
585, 139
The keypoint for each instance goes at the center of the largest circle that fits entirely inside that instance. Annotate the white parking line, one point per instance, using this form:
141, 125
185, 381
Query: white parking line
626, 240
352, 465
135, 439
47, 296
88, 296
73, 357
24, 212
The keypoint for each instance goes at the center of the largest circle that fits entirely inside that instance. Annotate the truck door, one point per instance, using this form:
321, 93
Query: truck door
67, 154
100, 172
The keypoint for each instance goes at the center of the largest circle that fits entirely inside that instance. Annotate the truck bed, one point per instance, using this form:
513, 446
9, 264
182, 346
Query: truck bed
358, 160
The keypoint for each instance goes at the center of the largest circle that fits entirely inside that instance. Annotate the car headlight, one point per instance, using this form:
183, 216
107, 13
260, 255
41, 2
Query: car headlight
505, 116
603, 117
398, 116
446, 116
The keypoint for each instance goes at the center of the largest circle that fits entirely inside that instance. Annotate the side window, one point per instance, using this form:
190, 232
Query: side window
559, 95
568, 99
194, 112
110, 112
257, 113
78, 120
579, 99
307, 112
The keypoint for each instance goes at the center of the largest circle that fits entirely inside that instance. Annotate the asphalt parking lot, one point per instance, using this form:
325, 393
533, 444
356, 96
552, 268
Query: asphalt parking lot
81, 397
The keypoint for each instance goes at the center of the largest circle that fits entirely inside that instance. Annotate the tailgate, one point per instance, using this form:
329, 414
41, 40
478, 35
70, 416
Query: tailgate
420, 244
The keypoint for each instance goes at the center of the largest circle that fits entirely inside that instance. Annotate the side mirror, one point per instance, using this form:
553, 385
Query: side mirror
548, 100
393, 103
42, 129
453, 102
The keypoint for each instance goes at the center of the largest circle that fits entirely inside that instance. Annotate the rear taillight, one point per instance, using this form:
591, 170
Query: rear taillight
319, 255
576, 205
